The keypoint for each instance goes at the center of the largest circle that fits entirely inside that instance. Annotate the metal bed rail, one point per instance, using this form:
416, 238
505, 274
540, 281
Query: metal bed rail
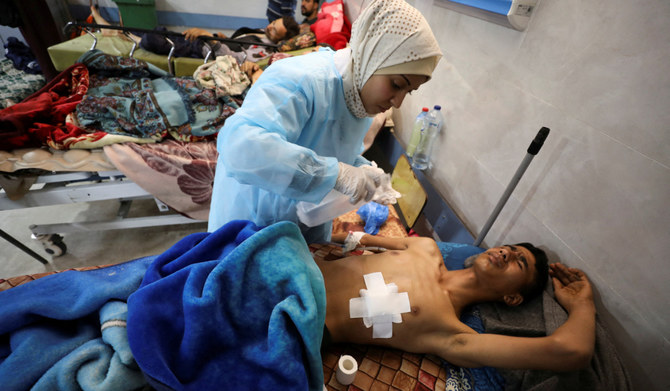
88, 27
75, 187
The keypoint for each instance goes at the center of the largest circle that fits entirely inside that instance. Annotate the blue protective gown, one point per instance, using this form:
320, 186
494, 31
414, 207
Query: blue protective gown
283, 145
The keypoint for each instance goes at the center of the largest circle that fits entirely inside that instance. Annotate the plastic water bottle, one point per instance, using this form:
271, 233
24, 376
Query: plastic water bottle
419, 125
421, 157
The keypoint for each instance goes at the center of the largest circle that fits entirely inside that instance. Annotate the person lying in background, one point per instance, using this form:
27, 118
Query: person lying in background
254, 48
189, 46
510, 274
279, 29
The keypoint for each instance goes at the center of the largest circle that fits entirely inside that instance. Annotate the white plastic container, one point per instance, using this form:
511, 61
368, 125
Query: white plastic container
334, 204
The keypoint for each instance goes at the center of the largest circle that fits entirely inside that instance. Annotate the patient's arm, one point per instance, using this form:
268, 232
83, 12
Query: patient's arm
193, 33
389, 243
570, 347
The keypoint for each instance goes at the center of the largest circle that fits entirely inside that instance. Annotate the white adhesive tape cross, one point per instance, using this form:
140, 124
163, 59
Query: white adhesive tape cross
380, 305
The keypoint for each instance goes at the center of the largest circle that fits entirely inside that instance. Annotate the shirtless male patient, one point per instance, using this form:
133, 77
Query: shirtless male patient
438, 296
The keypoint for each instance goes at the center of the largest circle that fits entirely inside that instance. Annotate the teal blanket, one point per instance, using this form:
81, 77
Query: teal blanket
240, 308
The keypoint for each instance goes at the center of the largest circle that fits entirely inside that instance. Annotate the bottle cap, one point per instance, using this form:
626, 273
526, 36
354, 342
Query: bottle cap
424, 109
437, 107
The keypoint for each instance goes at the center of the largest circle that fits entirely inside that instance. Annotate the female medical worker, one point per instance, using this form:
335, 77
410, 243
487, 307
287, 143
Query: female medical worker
299, 133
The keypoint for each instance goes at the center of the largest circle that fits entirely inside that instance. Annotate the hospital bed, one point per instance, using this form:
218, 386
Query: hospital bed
378, 368
114, 165
124, 44
39, 177
46, 168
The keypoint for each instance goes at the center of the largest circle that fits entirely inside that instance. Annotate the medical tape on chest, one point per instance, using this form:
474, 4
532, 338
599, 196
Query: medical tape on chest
380, 305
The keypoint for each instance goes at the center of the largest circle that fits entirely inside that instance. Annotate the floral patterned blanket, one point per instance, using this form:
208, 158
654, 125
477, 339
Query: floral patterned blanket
105, 99
180, 174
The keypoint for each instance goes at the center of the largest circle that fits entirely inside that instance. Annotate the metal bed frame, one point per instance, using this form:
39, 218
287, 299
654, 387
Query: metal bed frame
74, 187
88, 27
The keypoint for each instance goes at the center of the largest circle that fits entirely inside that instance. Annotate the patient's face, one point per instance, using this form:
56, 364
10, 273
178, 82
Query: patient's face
381, 92
276, 30
505, 269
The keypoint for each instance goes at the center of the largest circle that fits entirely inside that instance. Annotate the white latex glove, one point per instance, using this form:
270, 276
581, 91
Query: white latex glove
356, 182
352, 240
374, 172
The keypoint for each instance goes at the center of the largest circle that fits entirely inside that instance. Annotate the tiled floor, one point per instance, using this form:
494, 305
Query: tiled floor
84, 248
384, 369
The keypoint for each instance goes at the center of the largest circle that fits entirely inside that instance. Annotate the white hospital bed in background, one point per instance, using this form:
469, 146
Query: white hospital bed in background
38, 177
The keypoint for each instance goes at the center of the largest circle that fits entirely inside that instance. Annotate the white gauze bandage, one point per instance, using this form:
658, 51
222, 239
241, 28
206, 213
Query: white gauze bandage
380, 305
352, 240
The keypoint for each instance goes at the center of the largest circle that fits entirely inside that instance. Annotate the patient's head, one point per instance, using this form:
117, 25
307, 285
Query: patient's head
512, 273
283, 28
539, 281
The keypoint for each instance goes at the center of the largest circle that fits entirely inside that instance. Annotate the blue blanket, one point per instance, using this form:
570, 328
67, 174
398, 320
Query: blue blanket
240, 308
67, 331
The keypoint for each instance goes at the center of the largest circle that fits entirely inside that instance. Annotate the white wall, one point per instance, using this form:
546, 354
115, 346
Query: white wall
248, 8
598, 194
218, 15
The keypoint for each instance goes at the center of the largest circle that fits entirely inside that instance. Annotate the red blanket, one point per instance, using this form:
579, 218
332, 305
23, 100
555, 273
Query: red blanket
41, 117
332, 26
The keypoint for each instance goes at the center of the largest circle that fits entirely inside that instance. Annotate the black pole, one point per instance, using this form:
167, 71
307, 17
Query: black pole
533, 149
21, 246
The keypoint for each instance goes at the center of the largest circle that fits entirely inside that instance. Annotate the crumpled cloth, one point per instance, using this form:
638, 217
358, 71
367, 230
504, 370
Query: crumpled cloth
385, 194
22, 56
223, 75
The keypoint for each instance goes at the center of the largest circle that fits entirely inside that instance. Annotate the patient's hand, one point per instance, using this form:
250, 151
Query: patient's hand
193, 33
252, 70
571, 287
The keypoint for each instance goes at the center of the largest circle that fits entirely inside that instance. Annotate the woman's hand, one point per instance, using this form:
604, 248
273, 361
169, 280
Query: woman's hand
356, 182
193, 33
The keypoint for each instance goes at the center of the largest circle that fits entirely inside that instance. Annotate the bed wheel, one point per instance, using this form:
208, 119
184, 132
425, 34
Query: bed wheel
53, 244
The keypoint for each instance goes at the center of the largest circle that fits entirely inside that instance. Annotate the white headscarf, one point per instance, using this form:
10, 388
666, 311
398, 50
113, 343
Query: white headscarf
386, 33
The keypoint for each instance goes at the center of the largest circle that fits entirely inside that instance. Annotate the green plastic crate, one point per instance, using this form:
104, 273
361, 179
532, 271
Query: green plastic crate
138, 13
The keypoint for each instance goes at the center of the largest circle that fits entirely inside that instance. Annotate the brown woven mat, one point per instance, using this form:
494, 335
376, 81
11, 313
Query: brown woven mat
393, 227
19, 280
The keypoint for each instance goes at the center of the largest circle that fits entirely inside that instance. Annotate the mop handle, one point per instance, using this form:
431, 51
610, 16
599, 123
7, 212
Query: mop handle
533, 149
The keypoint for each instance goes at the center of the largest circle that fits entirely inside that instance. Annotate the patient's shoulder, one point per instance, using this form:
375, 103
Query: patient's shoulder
423, 244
